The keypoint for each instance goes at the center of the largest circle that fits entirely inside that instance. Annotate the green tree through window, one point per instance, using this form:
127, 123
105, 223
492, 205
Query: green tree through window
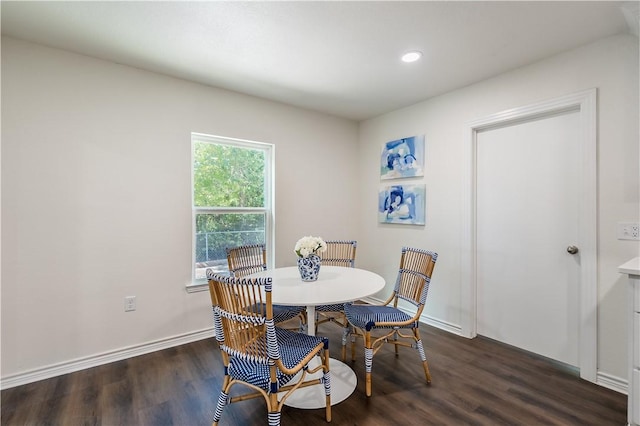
231, 198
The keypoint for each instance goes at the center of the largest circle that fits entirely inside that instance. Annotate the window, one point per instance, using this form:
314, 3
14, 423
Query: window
232, 199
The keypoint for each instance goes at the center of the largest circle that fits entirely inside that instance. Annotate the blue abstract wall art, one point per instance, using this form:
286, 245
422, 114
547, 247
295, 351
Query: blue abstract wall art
402, 158
403, 204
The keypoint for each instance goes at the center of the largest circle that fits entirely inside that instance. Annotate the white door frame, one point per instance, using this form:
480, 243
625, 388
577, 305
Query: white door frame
585, 104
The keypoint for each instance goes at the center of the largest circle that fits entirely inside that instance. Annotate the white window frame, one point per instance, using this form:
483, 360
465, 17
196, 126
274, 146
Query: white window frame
268, 209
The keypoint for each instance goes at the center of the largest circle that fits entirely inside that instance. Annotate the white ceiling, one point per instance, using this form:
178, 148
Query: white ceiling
340, 58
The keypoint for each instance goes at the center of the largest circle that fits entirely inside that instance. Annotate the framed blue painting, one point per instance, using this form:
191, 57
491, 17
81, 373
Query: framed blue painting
402, 158
404, 204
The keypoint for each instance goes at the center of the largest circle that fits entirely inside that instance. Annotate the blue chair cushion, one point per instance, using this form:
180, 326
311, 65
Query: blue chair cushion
338, 307
293, 348
366, 316
281, 313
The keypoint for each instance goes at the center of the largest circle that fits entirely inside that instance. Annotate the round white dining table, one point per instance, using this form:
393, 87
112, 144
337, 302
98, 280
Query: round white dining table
335, 284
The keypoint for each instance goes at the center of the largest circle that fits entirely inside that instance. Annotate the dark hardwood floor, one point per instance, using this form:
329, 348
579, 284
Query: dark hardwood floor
475, 382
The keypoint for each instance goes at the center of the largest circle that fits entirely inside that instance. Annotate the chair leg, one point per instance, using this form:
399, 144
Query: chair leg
343, 319
303, 323
423, 357
345, 336
222, 402
368, 361
274, 413
274, 418
327, 385
353, 346
395, 339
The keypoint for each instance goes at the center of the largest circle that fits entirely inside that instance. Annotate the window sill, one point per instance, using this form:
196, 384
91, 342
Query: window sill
197, 287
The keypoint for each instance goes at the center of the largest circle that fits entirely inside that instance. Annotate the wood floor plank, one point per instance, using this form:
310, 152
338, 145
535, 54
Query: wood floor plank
474, 382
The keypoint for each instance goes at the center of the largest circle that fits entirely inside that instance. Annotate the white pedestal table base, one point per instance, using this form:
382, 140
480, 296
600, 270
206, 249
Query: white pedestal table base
343, 383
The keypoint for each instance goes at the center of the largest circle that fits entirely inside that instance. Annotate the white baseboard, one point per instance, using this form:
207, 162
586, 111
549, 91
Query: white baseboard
446, 326
99, 359
612, 382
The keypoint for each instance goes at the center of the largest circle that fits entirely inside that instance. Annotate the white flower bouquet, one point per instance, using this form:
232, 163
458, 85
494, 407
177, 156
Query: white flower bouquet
310, 245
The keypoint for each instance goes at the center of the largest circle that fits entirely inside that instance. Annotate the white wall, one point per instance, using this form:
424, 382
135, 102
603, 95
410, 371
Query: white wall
610, 65
95, 191
96, 198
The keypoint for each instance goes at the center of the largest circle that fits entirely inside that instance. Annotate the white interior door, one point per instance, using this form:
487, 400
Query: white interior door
528, 189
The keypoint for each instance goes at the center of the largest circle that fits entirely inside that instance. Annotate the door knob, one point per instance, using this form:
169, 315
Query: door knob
572, 249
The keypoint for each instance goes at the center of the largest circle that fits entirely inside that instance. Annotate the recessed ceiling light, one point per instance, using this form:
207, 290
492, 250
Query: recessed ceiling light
411, 56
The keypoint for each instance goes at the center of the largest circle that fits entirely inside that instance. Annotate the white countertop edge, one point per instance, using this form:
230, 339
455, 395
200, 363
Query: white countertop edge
631, 267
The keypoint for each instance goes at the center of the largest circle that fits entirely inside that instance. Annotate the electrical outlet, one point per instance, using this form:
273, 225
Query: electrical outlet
129, 303
628, 231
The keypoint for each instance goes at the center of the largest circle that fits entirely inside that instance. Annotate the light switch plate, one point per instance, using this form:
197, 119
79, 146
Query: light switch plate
129, 303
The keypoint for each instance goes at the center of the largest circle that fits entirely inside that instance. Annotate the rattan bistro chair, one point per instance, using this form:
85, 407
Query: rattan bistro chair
258, 354
338, 253
247, 259
412, 286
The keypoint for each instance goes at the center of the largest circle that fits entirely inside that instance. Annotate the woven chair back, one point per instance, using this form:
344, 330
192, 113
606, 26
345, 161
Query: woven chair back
248, 259
243, 317
414, 275
340, 253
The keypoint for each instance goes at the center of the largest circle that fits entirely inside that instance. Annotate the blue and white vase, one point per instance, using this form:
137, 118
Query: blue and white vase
309, 267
